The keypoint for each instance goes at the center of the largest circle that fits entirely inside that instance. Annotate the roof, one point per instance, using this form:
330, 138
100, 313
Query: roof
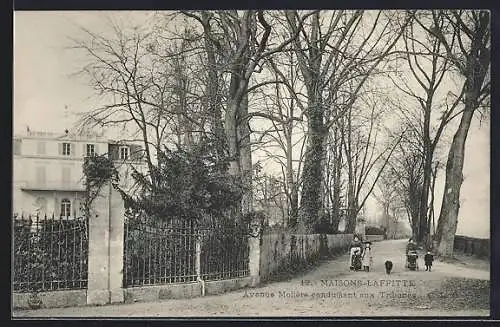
29, 134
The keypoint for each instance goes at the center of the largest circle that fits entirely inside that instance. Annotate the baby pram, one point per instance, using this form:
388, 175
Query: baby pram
411, 260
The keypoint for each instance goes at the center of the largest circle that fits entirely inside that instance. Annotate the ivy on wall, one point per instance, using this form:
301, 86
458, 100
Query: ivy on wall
97, 171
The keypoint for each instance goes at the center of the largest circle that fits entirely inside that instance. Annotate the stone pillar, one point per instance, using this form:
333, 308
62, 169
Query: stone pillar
198, 256
105, 262
254, 255
116, 246
198, 264
98, 263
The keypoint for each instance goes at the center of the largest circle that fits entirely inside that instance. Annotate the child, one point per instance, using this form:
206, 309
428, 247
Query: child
428, 258
367, 257
388, 267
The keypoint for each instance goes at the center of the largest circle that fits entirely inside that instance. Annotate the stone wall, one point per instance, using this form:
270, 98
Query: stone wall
374, 238
105, 266
279, 251
267, 256
478, 247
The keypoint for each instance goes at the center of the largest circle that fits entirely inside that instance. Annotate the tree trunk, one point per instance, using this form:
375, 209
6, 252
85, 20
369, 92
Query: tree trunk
351, 197
352, 211
387, 215
430, 223
294, 206
475, 70
336, 203
212, 86
448, 217
424, 198
337, 187
245, 157
232, 137
293, 196
312, 173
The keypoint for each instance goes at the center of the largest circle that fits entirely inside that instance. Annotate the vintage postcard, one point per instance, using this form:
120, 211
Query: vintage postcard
251, 163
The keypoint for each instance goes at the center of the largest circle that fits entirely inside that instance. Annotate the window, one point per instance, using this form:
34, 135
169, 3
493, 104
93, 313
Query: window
90, 150
66, 150
124, 152
65, 208
41, 148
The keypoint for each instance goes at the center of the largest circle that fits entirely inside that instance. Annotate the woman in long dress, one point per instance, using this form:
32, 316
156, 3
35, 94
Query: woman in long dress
356, 245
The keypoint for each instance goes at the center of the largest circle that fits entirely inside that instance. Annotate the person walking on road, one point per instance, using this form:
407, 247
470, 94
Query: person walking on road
367, 257
428, 259
356, 245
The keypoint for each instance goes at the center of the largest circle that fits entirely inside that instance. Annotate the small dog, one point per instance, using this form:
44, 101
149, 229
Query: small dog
388, 267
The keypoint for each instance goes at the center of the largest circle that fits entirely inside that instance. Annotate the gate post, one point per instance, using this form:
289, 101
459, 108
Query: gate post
254, 254
198, 262
105, 261
116, 245
98, 263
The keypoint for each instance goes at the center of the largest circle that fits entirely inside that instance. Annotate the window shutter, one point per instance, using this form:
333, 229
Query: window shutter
84, 150
73, 149
76, 207
133, 151
96, 149
113, 152
60, 149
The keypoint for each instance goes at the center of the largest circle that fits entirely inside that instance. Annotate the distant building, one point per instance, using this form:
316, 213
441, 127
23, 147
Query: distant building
48, 169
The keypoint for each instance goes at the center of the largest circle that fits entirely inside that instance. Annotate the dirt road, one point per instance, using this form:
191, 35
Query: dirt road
328, 290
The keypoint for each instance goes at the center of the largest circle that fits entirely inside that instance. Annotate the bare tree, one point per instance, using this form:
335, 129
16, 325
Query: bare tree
335, 165
386, 196
406, 168
269, 196
130, 81
149, 80
366, 158
333, 57
428, 65
284, 140
245, 46
470, 55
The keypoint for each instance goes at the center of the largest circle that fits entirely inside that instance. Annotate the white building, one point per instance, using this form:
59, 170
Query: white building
48, 169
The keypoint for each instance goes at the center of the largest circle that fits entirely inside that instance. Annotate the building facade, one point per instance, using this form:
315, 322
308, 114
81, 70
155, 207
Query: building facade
48, 169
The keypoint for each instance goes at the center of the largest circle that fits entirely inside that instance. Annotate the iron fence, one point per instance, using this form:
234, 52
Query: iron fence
224, 251
178, 251
49, 253
158, 252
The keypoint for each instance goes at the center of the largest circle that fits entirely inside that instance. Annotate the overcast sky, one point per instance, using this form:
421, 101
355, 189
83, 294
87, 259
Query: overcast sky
43, 87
